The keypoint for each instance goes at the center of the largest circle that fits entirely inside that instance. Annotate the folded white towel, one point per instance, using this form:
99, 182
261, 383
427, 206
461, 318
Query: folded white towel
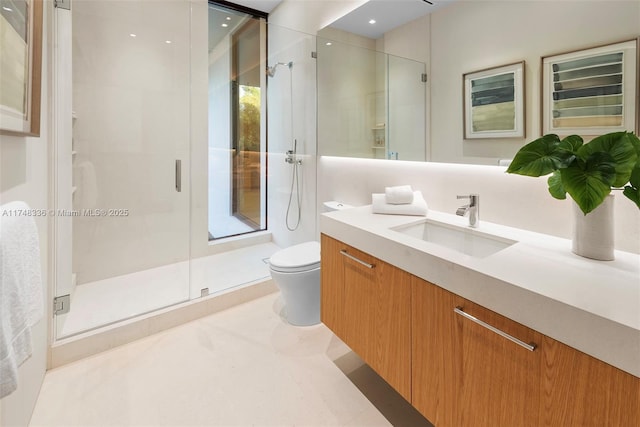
418, 207
399, 195
21, 301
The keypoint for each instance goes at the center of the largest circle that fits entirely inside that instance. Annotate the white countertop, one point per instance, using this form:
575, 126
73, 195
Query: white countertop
593, 306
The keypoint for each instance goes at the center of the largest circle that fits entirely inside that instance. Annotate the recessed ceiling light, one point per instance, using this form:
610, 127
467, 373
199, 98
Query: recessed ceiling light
328, 43
133, 35
372, 21
228, 18
167, 41
225, 25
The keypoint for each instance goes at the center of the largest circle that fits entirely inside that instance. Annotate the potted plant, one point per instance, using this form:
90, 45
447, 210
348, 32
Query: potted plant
588, 172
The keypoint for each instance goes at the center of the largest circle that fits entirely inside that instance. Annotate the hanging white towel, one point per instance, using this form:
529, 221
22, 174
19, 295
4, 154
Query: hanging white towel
418, 207
21, 300
399, 195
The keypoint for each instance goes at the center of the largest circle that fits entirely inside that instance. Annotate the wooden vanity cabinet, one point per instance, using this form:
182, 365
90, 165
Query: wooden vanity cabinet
367, 303
494, 380
431, 340
455, 371
466, 374
331, 285
580, 390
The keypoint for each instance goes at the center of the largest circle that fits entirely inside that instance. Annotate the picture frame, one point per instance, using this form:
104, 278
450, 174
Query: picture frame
21, 67
494, 102
591, 91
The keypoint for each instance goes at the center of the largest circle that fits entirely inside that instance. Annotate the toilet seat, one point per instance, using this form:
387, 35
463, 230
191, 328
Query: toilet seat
297, 258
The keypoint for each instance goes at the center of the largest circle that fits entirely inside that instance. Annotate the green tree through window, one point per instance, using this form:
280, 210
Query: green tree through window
249, 118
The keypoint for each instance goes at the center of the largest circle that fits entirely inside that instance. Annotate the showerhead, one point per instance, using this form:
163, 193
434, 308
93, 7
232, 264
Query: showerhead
271, 71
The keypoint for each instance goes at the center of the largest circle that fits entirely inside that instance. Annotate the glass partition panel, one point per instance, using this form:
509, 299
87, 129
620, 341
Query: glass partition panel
351, 100
236, 111
406, 109
370, 104
126, 226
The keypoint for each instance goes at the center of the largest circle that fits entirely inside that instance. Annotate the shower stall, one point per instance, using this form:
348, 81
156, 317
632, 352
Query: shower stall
161, 156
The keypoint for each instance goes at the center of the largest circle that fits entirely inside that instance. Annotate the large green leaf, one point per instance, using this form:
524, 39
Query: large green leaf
621, 147
571, 143
632, 194
636, 143
540, 157
555, 186
632, 191
635, 176
589, 182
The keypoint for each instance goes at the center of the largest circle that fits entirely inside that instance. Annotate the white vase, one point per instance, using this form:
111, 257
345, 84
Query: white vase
593, 234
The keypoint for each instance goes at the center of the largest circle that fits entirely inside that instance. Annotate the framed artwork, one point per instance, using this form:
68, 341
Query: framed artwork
591, 91
20, 66
494, 102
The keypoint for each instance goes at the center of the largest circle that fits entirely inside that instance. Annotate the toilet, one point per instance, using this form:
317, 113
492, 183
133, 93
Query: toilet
296, 272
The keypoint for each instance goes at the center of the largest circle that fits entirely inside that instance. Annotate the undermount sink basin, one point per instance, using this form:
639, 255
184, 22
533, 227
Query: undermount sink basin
465, 240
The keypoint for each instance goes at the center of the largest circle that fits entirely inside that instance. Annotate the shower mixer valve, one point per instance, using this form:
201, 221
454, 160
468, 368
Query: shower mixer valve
291, 158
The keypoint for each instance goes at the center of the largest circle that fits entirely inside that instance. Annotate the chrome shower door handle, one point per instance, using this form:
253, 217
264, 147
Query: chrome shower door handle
179, 176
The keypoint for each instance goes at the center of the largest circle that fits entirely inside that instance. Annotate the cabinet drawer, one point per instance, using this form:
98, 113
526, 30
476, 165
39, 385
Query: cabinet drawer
367, 303
496, 366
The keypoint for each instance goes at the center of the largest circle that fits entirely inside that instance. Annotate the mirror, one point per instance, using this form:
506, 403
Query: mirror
455, 38
370, 104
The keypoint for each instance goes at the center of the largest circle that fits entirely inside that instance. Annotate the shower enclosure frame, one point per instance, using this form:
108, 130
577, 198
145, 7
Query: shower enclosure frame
62, 124
64, 159
66, 349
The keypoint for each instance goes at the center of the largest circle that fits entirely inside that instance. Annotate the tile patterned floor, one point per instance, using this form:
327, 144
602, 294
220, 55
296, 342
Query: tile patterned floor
241, 367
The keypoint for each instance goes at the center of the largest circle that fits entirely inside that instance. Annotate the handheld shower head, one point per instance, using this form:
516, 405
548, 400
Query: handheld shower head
271, 71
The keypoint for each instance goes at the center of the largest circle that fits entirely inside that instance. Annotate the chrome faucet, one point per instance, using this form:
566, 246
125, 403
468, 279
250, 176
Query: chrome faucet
473, 208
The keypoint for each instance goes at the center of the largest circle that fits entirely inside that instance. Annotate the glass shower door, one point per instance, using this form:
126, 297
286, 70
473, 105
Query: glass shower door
406, 109
128, 235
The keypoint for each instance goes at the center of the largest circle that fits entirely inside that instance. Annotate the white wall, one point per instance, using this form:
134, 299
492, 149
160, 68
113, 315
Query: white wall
348, 74
220, 171
367, 95
292, 26
472, 35
512, 200
408, 41
464, 37
287, 45
309, 16
198, 173
24, 166
407, 111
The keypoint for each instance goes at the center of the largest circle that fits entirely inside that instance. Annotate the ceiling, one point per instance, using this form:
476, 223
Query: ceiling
261, 5
223, 21
388, 15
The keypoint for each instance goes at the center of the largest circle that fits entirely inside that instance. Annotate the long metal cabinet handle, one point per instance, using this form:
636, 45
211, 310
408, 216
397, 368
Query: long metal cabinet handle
178, 176
348, 255
530, 347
